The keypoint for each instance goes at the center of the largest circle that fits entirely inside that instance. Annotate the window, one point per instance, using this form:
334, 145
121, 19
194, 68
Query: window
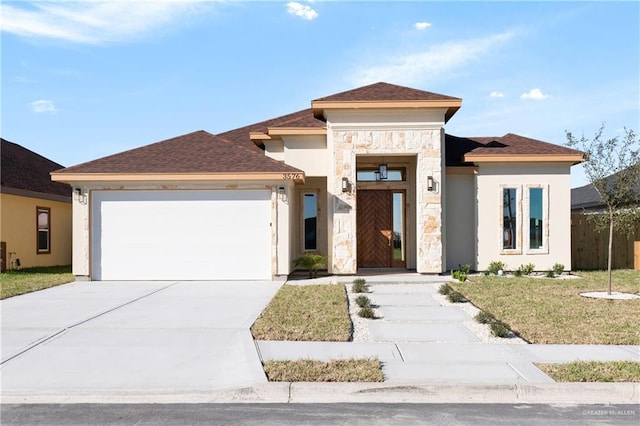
310, 206
371, 175
536, 219
509, 218
43, 237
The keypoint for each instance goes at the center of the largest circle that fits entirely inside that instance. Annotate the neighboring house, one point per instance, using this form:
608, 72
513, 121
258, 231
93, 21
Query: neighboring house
589, 246
35, 212
367, 177
586, 199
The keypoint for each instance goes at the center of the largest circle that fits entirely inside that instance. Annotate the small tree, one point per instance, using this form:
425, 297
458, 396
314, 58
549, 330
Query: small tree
613, 169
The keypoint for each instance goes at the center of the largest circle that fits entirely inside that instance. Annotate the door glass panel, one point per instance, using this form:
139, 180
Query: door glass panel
398, 226
310, 221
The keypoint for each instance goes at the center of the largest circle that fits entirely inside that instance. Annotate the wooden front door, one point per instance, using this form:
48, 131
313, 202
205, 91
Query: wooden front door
375, 228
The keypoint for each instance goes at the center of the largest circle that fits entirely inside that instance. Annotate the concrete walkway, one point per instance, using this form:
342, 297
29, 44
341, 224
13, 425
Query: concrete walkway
420, 340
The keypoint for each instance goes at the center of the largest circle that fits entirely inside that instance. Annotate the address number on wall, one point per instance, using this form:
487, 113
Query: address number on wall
292, 176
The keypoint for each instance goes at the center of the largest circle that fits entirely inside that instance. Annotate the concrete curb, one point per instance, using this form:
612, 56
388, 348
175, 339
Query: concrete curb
544, 393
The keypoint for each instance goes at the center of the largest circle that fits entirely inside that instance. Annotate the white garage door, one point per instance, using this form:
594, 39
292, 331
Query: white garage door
181, 235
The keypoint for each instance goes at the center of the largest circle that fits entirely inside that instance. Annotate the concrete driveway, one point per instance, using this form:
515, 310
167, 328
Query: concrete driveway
129, 337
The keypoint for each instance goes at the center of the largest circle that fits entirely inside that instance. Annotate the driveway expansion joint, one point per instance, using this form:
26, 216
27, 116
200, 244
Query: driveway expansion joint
66, 329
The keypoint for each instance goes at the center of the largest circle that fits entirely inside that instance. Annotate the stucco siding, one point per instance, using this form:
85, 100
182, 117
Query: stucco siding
18, 224
555, 181
307, 153
460, 221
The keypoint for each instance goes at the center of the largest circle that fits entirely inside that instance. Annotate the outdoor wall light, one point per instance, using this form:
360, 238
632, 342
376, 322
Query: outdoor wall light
281, 190
346, 185
79, 191
430, 183
382, 171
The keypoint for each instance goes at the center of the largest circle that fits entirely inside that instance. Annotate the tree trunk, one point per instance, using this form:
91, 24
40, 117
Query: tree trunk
610, 247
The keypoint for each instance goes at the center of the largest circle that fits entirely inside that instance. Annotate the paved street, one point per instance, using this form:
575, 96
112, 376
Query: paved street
321, 414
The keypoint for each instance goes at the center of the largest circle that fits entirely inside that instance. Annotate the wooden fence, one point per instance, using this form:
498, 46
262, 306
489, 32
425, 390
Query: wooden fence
589, 247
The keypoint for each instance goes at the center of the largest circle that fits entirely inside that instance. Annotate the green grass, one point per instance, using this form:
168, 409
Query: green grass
582, 371
309, 313
549, 311
349, 370
16, 282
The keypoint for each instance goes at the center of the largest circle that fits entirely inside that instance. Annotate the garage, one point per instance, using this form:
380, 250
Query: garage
181, 235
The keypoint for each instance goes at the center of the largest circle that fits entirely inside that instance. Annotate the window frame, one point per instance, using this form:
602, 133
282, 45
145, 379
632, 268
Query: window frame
40, 210
518, 211
545, 220
303, 194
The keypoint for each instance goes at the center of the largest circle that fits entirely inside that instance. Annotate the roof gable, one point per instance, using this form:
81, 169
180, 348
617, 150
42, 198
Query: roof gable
26, 170
196, 152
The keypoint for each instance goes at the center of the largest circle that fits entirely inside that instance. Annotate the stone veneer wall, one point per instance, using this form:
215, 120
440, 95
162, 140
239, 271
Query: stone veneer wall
426, 144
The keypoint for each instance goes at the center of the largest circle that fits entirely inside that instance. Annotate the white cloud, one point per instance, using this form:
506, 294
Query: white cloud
534, 94
94, 22
495, 94
440, 59
422, 25
301, 10
43, 106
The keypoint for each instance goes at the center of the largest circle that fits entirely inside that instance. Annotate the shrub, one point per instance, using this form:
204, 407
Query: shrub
366, 312
360, 286
459, 275
558, 268
528, 268
500, 329
444, 289
496, 266
465, 268
551, 274
518, 272
455, 297
484, 317
363, 301
311, 262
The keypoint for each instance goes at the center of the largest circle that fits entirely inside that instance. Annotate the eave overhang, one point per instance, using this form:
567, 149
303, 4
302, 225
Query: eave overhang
70, 178
452, 106
523, 158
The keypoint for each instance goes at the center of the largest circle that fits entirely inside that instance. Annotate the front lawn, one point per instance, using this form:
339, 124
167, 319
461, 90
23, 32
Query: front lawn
21, 281
309, 312
546, 310
593, 371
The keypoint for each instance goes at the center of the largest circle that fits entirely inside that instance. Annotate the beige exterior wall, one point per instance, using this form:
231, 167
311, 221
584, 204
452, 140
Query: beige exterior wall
281, 213
18, 229
460, 220
555, 181
307, 153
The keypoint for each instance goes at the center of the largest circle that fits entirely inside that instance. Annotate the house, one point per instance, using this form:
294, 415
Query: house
35, 212
589, 245
367, 177
586, 199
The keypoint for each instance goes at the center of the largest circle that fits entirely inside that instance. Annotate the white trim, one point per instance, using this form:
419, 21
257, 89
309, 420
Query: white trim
518, 249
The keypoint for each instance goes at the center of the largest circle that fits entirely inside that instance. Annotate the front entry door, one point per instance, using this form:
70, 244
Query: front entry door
375, 228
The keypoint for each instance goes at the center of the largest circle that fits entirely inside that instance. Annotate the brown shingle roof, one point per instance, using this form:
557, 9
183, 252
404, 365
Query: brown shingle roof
509, 144
197, 152
303, 118
26, 170
385, 92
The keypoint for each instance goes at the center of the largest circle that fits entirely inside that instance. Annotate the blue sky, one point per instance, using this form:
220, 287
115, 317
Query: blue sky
81, 80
